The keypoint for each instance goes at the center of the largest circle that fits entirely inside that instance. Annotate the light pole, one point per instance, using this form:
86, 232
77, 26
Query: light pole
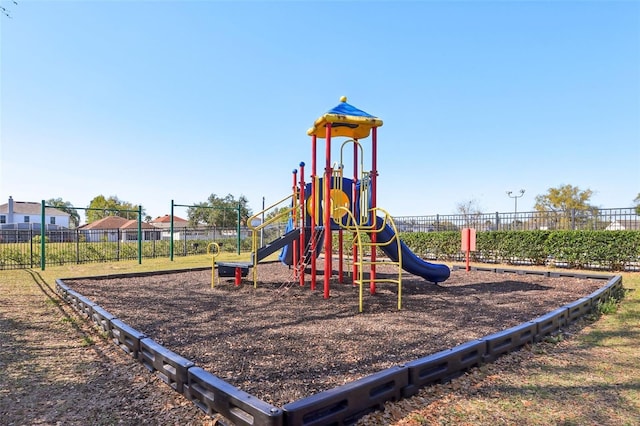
515, 199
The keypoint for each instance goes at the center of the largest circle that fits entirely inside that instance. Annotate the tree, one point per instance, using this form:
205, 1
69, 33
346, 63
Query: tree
111, 206
5, 10
221, 212
66, 207
564, 205
637, 201
276, 212
471, 212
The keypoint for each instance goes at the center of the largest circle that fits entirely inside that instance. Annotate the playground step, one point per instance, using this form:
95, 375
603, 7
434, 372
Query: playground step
228, 269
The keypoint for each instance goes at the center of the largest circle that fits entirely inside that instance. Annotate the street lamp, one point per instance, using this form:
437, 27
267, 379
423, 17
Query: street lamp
515, 198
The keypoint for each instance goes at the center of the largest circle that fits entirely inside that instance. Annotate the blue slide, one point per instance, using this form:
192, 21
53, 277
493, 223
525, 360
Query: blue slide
410, 262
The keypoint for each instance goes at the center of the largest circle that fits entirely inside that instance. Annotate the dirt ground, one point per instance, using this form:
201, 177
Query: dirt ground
281, 342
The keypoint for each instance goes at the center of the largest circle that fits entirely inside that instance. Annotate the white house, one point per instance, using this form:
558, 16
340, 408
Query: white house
164, 222
179, 227
116, 228
21, 215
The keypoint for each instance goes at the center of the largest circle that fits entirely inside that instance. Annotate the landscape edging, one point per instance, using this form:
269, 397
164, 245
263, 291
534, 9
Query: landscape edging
346, 403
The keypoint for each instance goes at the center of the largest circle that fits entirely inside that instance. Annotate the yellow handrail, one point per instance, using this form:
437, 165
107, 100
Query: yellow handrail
213, 260
360, 229
275, 218
270, 220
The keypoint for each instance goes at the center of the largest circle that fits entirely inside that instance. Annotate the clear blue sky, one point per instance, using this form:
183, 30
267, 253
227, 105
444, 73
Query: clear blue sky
154, 101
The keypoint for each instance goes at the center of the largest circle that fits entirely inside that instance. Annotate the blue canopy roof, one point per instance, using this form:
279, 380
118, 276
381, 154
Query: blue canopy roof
347, 109
346, 120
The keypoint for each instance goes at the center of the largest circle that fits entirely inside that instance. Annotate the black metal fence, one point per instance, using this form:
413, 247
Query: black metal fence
20, 248
577, 220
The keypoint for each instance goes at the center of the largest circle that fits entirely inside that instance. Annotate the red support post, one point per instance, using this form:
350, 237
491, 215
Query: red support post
294, 218
468, 244
354, 209
374, 180
340, 261
302, 224
238, 276
327, 212
314, 219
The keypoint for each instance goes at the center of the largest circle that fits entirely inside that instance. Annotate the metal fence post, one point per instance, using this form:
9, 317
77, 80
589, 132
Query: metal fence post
238, 228
77, 246
43, 259
30, 246
171, 234
139, 234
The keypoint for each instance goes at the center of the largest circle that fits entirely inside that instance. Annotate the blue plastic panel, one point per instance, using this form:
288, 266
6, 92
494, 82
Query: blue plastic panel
473, 268
445, 365
532, 272
509, 271
509, 340
213, 395
600, 296
483, 269
71, 297
597, 276
550, 323
578, 309
102, 319
126, 337
61, 287
615, 285
85, 306
170, 367
345, 404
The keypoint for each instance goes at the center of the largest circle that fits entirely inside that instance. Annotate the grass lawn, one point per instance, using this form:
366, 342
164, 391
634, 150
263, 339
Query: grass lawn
588, 375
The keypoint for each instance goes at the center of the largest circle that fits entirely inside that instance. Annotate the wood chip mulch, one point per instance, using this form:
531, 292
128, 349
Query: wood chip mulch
281, 341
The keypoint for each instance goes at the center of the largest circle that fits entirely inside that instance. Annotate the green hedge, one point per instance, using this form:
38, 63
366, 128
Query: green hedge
609, 250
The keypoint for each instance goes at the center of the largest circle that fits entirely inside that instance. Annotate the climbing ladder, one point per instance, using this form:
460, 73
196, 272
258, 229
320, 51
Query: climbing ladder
310, 243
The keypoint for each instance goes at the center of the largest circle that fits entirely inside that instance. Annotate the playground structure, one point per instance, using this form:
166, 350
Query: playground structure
352, 207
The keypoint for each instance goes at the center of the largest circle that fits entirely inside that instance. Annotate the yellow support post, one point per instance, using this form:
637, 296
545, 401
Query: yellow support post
213, 260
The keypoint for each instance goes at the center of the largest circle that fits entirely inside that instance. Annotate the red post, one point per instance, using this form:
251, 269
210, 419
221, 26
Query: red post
468, 243
294, 244
374, 204
302, 224
238, 276
327, 212
468, 238
314, 193
354, 209
340, 261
